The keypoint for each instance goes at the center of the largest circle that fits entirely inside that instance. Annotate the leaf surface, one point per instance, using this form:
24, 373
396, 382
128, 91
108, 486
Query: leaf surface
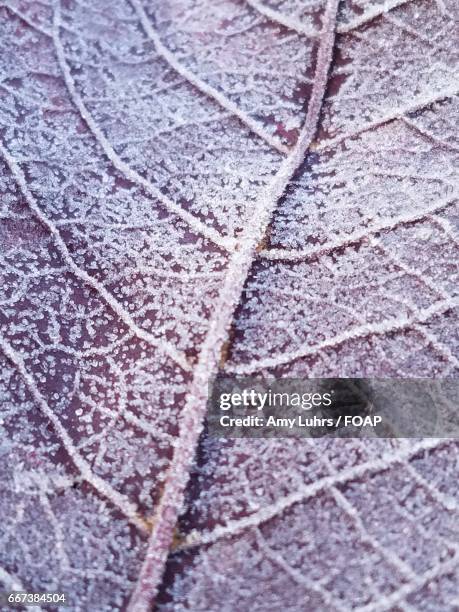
358, 278
164, 164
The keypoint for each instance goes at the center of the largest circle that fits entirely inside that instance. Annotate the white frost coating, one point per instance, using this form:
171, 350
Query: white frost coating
85, 253
359, 278
205, 88
256, 519
297, 576
447, 501
442, 294
383, 557
238, 268
284, 20
362, 331
104, 488
83, 275
399, 113
417, 42
27, 20
381, 172
387, 603
261, 68
342, 502
227, 243
300, 254
374, 11
429, 135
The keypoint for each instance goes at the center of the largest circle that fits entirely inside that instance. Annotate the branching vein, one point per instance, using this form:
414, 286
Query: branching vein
117, 308
388, 460
361, 331
195, 224
201, 85
239, 266
361, 234
292, 24
371, 14
100, 485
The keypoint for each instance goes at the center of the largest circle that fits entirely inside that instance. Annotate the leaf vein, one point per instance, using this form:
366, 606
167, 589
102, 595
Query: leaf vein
143, 334
201, 85
195, 224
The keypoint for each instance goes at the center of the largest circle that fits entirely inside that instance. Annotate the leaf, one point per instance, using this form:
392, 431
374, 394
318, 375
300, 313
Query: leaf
358, 279
144, 149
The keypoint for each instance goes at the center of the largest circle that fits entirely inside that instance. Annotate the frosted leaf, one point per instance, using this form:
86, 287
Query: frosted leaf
158, 172
365, 234
357, 276
394, 505
254, 61
132, 178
